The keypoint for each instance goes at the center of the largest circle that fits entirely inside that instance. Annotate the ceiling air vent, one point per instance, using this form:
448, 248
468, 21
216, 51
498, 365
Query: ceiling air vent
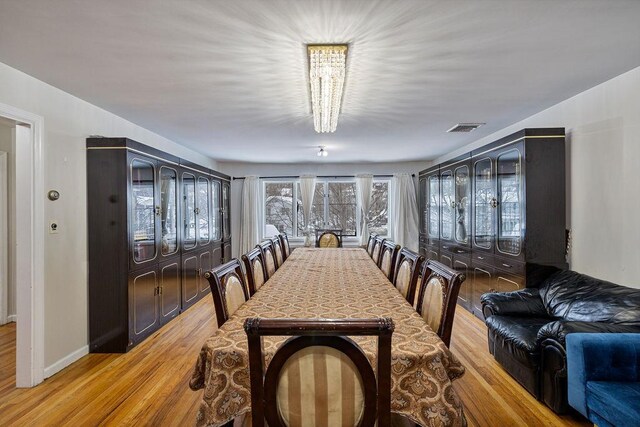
465, 127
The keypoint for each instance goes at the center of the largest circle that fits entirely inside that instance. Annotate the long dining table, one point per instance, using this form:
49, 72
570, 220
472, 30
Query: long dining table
332, 283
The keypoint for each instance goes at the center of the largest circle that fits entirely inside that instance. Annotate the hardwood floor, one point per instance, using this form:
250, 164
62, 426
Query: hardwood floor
149, 385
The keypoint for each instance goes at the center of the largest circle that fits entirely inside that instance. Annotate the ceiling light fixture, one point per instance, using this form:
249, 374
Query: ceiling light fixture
322, 152
327, 68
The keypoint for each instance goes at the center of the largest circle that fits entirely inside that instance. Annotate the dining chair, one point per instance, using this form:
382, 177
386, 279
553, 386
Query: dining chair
377, 246
407, 274
286, 248
387, 258
319, 371
370, 243
437, 298
255, 269
328, 238
277, 250
269, 256
227, 288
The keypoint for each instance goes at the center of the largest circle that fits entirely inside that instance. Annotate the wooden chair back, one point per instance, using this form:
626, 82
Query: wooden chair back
276, 395
269, 256
277, 250
227, 288
286, 248
377, 248
370, 243
438, 296
328, 238
407, 274
255, 269
387, 260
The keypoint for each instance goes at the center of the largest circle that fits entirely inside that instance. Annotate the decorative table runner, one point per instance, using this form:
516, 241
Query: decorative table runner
332, 283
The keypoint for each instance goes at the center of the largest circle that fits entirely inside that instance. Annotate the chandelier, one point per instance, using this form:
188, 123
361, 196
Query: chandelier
326, 77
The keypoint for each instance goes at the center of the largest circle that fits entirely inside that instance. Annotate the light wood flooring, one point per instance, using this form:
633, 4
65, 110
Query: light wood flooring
150, 384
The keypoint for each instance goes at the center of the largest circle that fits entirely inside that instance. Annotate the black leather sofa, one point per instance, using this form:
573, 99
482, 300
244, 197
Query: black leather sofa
527, 328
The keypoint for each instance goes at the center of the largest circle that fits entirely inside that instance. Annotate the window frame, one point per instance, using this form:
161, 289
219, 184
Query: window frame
325, 182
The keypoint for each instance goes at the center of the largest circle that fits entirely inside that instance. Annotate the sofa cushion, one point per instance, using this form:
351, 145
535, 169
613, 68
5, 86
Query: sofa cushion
616, 402
578, 297
518, 334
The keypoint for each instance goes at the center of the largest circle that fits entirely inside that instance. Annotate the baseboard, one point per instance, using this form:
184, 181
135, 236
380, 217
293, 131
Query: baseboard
12, 318
65, 361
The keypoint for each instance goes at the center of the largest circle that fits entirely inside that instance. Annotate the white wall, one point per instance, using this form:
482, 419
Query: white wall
68, 121
603, 167
7, 140
240, 169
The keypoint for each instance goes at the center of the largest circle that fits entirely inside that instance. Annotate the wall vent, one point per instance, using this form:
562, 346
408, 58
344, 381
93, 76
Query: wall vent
465, 127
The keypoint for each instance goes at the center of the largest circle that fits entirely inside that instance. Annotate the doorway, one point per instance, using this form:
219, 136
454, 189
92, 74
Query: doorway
23, 219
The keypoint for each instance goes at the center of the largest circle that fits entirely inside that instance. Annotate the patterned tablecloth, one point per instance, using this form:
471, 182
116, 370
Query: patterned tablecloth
333, 283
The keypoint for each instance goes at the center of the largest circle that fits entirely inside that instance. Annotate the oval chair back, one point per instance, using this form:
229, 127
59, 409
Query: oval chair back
377, 248
370, 243
329, 239
277, 250
286, 248
269, 256
283, 396
388, 254
438, 296
227, 288
255, 269
407, 274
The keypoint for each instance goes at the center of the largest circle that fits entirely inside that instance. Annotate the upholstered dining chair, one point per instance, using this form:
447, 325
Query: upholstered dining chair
255, 269
286, 248
269, 256
328, 238
387, 260
346, 391
437, 297
370, 243
407, 274
227, 288
377, 246
277, 250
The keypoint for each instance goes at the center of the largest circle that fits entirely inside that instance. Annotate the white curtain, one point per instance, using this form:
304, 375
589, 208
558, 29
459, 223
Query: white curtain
250, 214
404, 211
364, 186
307, 188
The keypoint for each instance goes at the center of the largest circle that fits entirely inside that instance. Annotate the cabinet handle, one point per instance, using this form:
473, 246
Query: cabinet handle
196, 211
480, 257
453, 204
157, 210
445, 247
197, 272
459, 251
506, 265
159, 290
494, 203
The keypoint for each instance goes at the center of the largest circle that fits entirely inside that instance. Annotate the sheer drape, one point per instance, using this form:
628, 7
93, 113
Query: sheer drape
364, 185
250, 214
307, 188
404, 211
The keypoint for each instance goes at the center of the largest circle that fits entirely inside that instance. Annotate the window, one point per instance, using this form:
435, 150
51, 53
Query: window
334, 206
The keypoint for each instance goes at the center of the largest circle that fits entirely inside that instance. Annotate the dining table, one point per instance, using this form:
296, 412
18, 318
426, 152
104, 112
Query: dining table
332, 283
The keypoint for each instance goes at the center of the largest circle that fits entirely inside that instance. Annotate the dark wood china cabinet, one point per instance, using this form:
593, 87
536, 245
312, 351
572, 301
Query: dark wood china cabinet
497, 213
154, 228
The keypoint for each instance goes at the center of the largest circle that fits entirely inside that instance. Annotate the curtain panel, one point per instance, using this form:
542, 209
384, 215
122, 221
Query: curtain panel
250, 214
364, 187
404, 211
307, 188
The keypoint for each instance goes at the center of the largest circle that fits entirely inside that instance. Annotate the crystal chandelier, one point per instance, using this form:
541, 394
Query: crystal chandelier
326, 77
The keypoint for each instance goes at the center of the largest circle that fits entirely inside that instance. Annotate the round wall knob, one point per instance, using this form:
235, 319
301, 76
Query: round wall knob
53, 195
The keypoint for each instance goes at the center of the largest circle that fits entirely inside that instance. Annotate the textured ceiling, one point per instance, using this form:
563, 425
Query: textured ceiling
227, 78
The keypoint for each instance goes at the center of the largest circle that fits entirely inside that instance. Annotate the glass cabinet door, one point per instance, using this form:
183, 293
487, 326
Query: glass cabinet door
447, 205
226, 211
189, 196
485, 203
216, 220
434, 206
508, 165
202, 210
168, 210
143, 210
462, 204
424, 206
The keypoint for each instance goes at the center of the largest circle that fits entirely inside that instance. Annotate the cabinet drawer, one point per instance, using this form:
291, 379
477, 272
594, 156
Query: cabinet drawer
510, 266
483, 258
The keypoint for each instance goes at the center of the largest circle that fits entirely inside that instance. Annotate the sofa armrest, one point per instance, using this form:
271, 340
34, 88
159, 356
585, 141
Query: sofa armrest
525, 302
591, 357
559, 329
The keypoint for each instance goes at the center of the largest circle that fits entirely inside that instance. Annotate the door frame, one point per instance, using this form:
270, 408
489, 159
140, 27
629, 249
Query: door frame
4, 238
30, 232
